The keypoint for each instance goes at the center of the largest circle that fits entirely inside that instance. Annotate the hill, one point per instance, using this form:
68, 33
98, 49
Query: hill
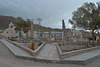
45, 29
5, 20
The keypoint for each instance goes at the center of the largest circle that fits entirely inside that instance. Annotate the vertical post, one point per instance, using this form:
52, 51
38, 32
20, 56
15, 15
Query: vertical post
75, 41
39, 30
39, 19
32, 29
49, 35
63, 32
69, 43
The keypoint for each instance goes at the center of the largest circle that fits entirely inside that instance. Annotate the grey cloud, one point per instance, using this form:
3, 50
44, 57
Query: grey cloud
51, 11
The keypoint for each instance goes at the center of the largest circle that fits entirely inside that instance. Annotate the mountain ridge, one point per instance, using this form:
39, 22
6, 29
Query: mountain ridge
5, 20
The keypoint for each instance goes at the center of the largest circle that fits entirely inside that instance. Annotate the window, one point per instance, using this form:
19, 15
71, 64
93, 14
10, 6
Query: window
11, 26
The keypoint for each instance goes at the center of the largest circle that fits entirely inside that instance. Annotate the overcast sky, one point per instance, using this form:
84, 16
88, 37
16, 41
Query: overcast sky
50, 11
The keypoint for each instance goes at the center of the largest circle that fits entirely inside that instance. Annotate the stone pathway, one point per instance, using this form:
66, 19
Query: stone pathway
49, 51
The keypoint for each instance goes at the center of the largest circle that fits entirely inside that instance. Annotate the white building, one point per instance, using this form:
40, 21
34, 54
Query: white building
10, 32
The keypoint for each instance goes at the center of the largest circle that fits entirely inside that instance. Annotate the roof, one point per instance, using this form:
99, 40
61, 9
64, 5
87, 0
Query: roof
76, 31
48, 32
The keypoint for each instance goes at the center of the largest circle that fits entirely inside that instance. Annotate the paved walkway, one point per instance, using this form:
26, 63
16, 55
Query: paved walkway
49, 51
84, 57
17, 51
5, 52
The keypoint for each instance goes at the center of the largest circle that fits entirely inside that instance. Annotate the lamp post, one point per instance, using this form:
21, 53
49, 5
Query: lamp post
39, 19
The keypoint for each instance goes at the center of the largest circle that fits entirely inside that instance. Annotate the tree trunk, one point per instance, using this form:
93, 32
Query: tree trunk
26, 34
93, 37
20, 33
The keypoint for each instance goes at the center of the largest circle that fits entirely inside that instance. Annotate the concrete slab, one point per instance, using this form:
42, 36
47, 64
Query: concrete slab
84, 58
16, 51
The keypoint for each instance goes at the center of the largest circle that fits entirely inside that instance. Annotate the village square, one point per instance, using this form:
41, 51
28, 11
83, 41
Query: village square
27, 43
50, 47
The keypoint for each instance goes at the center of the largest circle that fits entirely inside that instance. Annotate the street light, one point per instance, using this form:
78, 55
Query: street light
39, 19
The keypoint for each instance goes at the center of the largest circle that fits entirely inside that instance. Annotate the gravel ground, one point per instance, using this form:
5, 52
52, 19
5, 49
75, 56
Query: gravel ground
27, 45
72, 47
49, 51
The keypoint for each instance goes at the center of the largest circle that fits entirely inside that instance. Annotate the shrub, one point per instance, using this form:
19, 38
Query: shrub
40, 43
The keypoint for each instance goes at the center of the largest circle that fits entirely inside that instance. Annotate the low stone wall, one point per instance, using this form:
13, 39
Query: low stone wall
75, 52
27, 49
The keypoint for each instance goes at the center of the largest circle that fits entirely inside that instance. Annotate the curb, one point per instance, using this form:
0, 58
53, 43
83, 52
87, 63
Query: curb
62, 55
27, 49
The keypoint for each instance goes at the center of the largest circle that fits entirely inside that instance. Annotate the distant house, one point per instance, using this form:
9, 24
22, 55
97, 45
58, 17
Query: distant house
56, 34
52, 34
86, 34
68, 33
73, 33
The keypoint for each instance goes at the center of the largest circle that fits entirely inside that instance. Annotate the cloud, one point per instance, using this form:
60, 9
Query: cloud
50, 11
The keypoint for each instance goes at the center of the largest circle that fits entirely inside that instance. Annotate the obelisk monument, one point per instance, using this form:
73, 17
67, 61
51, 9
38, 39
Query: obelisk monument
63, 32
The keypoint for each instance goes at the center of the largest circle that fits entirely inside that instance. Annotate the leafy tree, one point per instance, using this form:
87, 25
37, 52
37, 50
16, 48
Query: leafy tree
87, 17
27, 26
22, 25
19, 25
